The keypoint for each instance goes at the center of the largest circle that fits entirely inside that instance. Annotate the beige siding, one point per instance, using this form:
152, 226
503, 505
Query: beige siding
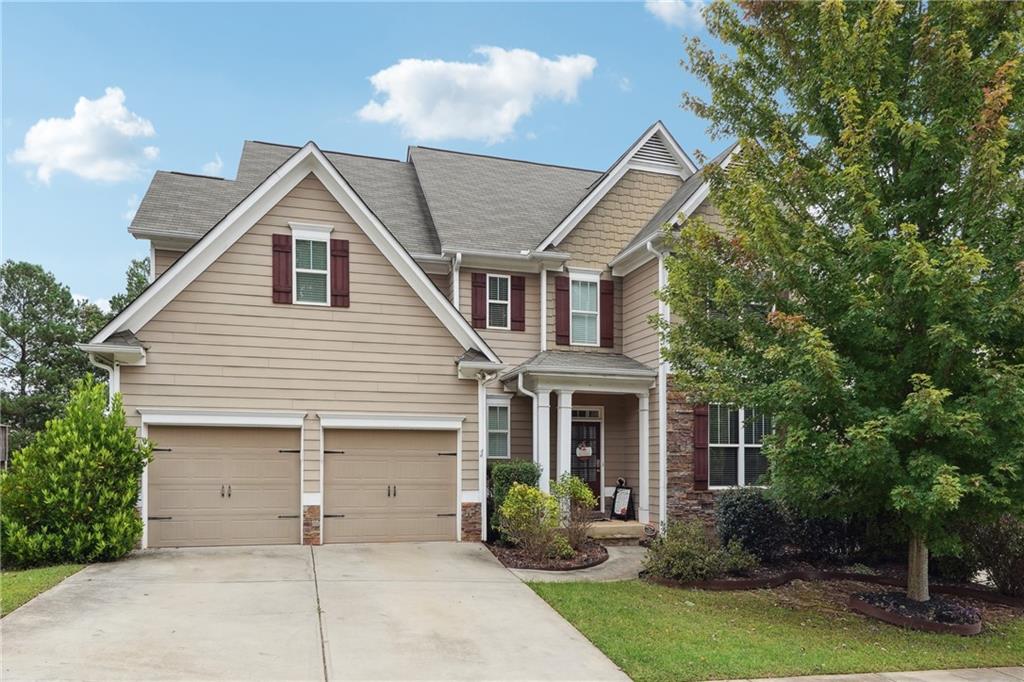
512, 347
617, 307
221, 343
639, 338
442, 282
521, 427
164, 258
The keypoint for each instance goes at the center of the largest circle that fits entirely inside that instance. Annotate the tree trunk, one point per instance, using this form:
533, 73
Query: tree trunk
917, 570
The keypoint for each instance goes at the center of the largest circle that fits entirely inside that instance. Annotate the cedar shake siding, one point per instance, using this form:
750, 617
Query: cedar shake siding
223, 344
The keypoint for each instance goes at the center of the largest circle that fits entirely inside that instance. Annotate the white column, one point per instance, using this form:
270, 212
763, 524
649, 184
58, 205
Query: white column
542, 453
643, 413
564, 432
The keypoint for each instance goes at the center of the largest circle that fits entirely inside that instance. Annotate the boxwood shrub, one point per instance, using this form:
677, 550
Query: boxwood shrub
754, 520
505, 474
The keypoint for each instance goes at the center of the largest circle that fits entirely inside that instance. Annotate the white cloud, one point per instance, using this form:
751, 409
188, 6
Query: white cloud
213, 167
678, 13
101, 303
437, 100
101, 141
625, 84
132, 207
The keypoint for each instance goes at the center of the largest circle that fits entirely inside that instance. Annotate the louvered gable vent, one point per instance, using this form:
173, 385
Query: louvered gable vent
656, 152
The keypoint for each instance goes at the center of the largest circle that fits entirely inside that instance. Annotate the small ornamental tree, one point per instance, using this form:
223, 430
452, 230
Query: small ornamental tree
70, 495
865, 285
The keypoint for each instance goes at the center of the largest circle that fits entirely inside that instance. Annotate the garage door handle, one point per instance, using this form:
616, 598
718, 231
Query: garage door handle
222, 491
159, 518
334, 516
287, 516
396, 491
229, 491
452, 514
389, 491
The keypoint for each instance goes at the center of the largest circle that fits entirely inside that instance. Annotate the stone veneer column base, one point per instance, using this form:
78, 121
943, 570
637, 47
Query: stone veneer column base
311, 525
683, 501
471, 521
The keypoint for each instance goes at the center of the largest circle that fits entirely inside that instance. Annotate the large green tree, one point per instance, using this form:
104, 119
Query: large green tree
40, 322
866, 283
136, 281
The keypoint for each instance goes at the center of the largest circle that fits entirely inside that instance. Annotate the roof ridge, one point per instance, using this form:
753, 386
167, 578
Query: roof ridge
197, 175
327, 151
504, 158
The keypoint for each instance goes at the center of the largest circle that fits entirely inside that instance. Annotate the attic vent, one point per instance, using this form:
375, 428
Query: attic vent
656, 151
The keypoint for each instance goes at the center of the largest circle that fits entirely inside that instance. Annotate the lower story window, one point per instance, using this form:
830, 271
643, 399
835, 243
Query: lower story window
497, 431
735, 445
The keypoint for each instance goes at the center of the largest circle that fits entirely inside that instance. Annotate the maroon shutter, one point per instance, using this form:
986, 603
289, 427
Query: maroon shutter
518, 297
562, 311
607, 308
282, 268
339, 273
700, 447
479, 300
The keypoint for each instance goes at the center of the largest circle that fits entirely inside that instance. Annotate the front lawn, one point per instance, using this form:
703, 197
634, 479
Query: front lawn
17, 587
661, 633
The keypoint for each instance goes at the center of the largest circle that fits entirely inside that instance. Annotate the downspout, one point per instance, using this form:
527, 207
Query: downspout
663, 313
543, 309
481, 434
533, 397
456, 264
113, 371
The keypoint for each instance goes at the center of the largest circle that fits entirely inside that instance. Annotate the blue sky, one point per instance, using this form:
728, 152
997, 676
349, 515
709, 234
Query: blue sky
571, 84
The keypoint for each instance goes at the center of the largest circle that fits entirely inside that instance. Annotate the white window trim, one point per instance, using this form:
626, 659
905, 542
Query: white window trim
499, 401
314, 233
507, 302
741, 447
585, 277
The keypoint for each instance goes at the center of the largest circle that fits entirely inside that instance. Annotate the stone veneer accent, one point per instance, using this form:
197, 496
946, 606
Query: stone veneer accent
471, 521
311, 525
683, 501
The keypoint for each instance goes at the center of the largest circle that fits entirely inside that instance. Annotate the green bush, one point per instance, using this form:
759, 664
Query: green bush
506, 474
70, 496
756, 521
560, 548
577, 500
999, 549
528, 518
686, 551
823, 540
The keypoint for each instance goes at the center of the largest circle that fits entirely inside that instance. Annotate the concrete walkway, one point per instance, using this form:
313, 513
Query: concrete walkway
973, 674
396, 612
624, 563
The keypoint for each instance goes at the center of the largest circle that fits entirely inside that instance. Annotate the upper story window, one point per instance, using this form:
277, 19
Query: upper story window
498, 301
735, 438
498, 429
311, 247
584, 310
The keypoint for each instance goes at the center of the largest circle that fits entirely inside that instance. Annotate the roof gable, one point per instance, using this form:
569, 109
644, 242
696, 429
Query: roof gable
308, 159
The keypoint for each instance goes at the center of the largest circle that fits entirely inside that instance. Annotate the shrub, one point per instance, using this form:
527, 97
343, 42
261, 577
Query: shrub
577, 499
528, 518
560, 548
815, 539
753, 519
954, 568
687, 552
70, 495
504, 475
999, 548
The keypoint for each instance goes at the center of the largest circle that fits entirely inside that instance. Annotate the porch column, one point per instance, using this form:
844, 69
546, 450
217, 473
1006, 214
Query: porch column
564, 432
542, 455
644, 427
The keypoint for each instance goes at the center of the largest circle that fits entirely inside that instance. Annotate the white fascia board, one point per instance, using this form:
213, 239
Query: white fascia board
178, 417
611, 178
214, 243
530, 262
123, 354
415, 422
470, 369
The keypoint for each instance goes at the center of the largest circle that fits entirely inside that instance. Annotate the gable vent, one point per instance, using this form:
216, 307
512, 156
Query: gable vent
656, 151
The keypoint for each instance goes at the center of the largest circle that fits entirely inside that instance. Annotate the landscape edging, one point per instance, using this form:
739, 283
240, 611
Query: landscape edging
872, 611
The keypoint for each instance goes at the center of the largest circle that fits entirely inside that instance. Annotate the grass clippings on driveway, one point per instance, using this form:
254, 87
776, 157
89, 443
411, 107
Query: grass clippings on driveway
17, 587
660, 633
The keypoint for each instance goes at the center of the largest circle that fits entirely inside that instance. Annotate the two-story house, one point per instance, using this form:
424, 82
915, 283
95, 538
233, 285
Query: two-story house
333, 346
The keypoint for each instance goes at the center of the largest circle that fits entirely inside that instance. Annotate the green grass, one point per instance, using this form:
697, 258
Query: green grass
17, 587
661, 633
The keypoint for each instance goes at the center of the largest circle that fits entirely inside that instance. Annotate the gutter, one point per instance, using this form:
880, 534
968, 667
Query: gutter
533, 398
113, 371
456, 264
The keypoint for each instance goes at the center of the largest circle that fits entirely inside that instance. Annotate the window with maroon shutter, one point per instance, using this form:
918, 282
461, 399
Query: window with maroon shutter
607, 313
562, 311
282, 268
700, 447
478, 300
518, 303
339, 273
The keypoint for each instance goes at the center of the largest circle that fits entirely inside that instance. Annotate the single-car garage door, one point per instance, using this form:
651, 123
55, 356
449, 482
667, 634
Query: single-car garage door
223, 486
389, 486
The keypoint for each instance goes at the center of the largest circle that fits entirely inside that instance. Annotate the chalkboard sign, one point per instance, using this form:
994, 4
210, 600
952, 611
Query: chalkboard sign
621, 502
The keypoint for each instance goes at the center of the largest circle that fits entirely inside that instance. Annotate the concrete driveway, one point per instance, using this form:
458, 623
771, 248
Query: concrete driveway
427, 611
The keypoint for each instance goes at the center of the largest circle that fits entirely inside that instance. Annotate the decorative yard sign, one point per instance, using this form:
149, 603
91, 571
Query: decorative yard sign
583, 450
621, 500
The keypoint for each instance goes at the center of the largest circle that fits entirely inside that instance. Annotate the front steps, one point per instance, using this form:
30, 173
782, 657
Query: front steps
616, 532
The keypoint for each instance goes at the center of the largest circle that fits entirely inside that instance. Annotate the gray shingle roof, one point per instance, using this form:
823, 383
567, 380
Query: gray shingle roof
577, 362
670, 209
493, 204
185, 206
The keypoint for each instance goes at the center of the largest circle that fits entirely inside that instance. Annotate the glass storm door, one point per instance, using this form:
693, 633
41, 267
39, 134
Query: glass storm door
586, 440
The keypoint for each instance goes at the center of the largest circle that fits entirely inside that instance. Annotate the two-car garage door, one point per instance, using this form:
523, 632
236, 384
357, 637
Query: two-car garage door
240, 486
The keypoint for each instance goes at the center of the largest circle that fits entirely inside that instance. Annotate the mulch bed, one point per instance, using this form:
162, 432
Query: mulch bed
591, 554
938, 614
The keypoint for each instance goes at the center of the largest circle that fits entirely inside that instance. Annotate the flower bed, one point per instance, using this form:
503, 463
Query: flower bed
939, 614
591, 554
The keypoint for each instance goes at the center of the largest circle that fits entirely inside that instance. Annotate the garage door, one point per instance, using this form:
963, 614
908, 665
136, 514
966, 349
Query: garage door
223, 486
389, 486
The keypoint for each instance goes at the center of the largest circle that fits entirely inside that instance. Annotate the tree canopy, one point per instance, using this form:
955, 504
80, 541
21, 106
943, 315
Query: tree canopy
867, 283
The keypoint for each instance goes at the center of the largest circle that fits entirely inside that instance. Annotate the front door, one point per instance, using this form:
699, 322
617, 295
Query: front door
586, 454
